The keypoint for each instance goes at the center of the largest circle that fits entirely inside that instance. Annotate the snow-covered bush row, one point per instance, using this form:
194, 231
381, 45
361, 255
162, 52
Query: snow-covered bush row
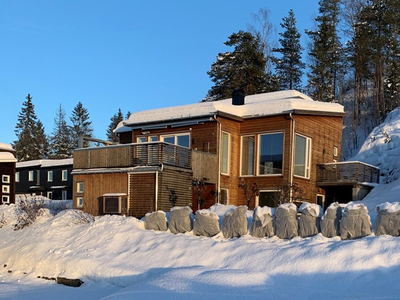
350, 221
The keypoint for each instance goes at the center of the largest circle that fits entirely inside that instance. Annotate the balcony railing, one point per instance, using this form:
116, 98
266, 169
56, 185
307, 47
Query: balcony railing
132, 155
347, 172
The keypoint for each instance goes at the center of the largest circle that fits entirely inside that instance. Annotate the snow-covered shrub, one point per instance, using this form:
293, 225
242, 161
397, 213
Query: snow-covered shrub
180, 219
156, 221
388, 219
309, 221
286, 226
27, 211
355, 222
206, 223
330, 221
234, 223
2, 221
262, 224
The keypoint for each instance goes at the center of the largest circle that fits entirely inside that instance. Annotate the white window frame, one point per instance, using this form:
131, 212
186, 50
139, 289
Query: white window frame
141, 139
241, 154
258, 143
79, 187
335, 151
64, 175
31, 175
308, 151
5, 189
50, 195
5, 199
79, 201
175, 136
265, 191
153, 138
225, 152
50, 176
16, 176
5, 178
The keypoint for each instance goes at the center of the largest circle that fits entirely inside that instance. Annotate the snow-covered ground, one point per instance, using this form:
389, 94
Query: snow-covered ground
118, 259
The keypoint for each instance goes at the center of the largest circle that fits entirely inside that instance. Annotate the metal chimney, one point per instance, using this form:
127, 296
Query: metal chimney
238, 97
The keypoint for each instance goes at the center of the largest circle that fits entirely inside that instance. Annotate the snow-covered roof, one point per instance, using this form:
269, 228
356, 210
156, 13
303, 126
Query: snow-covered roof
6, 147
266, 104
45, 163
7, 157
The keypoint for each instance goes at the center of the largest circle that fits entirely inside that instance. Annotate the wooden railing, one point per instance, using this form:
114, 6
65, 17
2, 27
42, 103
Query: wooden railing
347, 172
132, 155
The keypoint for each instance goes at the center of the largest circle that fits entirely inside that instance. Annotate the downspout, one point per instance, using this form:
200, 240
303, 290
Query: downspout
292, 158
156, 193
219, 158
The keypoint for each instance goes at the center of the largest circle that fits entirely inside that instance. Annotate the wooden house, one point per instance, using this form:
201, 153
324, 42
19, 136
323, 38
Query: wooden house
7, 174
48, 177
278, 140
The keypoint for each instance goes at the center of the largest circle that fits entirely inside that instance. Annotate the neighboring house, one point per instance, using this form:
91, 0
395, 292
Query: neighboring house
7, 174
48, 177
280, 140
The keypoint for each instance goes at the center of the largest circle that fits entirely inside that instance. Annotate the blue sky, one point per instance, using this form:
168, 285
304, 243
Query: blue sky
133, 55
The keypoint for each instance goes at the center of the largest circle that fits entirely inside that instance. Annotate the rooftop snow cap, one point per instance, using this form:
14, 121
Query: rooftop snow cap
238, 97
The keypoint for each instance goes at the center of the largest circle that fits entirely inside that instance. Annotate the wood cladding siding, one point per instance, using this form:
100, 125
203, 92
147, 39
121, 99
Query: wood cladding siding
205, 165
96, 185
8, 169
106, 157
178, 180
142, 193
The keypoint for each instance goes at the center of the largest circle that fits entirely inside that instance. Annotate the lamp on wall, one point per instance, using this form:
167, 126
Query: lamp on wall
145, 132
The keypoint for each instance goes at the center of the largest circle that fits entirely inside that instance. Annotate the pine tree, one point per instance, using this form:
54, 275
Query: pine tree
289, 68
241, 68
81, 126
115, 119
325, 53
31, 140
60, 141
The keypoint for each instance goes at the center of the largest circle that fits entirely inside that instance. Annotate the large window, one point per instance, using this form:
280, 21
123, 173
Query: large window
177, 139
247, 162
225, 153
270, 153
269, 198
302, 156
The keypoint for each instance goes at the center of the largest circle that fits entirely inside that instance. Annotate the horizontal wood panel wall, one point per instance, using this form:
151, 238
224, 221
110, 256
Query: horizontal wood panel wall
95, 185
178, 180
141, 193
102, 157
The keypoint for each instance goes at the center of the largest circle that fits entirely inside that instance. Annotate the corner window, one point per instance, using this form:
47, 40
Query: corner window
247, 155
270, 154
64, 175
79, 187
225, 153
79, 202
16, 176
302, 156
30, 176
49, 176
5, 178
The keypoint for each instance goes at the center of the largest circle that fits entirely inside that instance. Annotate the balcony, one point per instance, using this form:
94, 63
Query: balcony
132, 155
346, 173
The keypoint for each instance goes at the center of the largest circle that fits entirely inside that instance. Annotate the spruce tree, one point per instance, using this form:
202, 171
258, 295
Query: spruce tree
241, 68
289, 67
31, 140
325, 53
115, 119
60, 140
81, 126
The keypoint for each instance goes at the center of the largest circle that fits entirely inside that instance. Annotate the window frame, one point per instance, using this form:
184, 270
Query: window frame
308, 153
79, 201
175, 136
80, 184
64, 175
50, 176
49, 195
253, 154
17, 176
5, 178
223, 171
227, 196
266, 191
31, 175
258, 143
5, 189
7, 201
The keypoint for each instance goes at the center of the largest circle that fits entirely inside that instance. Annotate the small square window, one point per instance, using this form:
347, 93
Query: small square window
6, 189
64, 175
79, 202
5, 179
79, 187
5, 199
